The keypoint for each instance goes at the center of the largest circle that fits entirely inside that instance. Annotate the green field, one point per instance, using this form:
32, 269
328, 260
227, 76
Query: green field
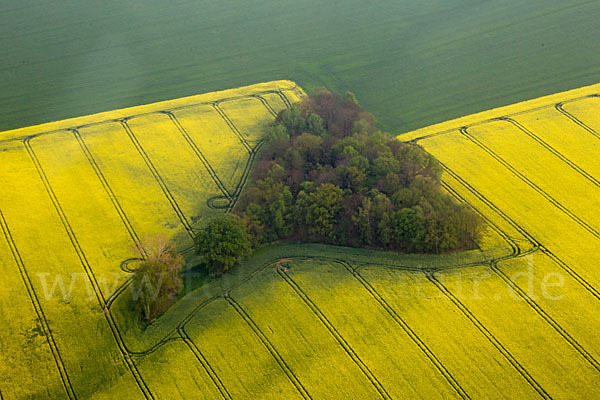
410, 63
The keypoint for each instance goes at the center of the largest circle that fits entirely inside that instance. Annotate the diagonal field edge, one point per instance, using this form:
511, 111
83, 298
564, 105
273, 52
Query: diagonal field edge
558, 106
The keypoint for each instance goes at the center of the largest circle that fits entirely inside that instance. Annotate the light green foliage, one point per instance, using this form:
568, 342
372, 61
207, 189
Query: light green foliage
321, 214
222, 243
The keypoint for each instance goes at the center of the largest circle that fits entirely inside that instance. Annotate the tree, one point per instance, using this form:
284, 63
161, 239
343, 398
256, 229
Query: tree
157, 277
362, 220
292, 119
222, 243
323, 210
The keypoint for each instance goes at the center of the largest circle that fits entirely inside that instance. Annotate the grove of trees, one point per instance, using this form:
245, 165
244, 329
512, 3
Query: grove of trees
327, 174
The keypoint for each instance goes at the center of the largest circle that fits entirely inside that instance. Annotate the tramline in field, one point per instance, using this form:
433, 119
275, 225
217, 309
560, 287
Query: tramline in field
515, 318
79, 194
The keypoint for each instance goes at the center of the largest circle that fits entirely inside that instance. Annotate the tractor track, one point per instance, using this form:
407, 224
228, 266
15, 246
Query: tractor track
335, 333
89, 272
41, 316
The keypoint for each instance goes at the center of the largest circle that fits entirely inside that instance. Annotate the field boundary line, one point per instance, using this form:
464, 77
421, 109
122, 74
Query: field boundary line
529, 183
408, 330
204, 362
157, 177
485, 121
35, 302
171, 109
334, 332
89, 272
269, 346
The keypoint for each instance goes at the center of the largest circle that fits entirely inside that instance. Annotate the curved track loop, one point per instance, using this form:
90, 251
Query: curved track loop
105, 302
88, 270
178, 333
516, 252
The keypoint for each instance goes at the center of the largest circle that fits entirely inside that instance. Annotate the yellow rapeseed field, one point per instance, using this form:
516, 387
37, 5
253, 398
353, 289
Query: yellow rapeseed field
78, 196
531, 169
515, 318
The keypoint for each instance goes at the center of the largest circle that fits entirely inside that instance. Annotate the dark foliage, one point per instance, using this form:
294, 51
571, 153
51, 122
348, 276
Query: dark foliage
326, 174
